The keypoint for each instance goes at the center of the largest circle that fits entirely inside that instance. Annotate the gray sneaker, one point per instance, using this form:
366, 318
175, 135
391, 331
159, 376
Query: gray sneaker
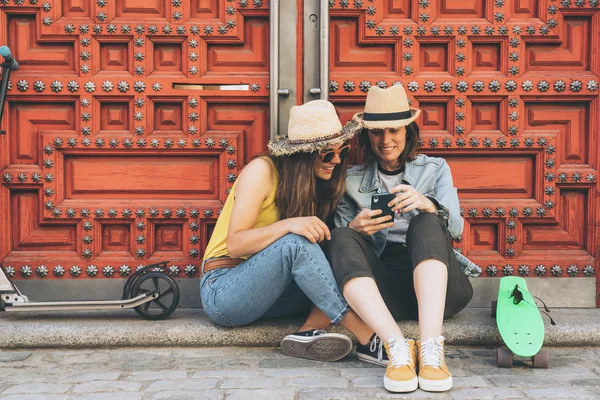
317, 345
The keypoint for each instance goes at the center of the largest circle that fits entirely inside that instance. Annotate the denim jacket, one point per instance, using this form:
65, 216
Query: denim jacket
430, 176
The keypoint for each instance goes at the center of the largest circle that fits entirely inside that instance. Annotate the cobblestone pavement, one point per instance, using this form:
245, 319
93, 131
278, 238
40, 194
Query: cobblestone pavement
265, 373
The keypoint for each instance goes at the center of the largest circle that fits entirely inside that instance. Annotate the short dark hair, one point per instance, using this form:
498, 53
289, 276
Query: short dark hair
410, 149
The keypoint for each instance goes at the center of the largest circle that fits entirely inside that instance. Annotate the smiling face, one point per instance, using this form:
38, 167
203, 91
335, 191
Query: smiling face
388, 144
325, 163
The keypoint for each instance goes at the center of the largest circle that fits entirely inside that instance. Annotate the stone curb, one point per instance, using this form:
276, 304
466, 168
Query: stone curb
191, 327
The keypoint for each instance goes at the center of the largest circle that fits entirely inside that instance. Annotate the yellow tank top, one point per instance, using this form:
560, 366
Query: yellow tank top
267, 215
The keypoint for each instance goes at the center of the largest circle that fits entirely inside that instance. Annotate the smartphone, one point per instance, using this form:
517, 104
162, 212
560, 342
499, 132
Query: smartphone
379, 201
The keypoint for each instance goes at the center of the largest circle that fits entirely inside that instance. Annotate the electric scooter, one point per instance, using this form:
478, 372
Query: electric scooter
150, 291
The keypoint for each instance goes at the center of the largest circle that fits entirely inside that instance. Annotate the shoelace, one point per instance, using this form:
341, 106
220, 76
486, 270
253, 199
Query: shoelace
399, 353
376, 342
431, 352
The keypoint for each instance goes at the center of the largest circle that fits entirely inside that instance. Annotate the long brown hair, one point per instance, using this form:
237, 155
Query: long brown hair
300, 194
410, 149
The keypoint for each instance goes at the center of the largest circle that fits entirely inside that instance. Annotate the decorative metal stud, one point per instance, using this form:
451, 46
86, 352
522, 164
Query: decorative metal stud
156, 86
556, 270
71, 212
87, 226
10, 271
478, 86
90, 87
576, 86
85, 212
42, 271
588, 271
194, 226
75, 271
365, 86
572, 270
190, 270
140, 213
39, 86
124, 270
333, 86
58, 270
182, 143
491, 270
140, 225
37, 178
510, 85
429, 86
193, 253
139, 87
140, 253
22, 85
153, 212
540, 270
108, 271
46, 21
173, 270
26, 271
560, 85
446, 86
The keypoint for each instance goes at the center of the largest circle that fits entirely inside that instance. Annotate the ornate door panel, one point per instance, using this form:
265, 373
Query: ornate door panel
509, 97
127, 123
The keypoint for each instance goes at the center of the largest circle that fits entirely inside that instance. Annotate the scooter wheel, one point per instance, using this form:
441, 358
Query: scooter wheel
167, 301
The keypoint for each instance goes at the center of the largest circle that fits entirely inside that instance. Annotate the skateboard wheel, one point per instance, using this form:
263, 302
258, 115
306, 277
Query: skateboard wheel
494, 308
504, 357
541, 359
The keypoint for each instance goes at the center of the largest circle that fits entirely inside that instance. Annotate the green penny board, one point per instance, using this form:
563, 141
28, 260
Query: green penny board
520, 325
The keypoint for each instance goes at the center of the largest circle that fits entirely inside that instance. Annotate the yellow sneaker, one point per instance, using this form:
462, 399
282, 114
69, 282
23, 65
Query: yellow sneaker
401, 375
434, 375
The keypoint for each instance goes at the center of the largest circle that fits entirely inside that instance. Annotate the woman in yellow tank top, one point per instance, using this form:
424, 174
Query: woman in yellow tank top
264, 258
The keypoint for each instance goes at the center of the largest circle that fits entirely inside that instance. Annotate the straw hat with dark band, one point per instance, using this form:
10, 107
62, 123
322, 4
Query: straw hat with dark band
313, 126
387, 108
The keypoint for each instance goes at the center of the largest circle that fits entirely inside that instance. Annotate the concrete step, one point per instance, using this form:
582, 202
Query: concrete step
191, 327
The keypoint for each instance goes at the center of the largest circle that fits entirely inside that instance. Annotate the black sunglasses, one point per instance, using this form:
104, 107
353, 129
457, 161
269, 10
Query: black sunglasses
343, 152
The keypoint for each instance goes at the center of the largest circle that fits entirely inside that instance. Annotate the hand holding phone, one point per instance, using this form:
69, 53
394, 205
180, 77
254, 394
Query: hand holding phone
379, 201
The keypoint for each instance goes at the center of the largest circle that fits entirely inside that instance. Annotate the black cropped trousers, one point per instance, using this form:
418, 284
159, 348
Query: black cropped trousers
351, 256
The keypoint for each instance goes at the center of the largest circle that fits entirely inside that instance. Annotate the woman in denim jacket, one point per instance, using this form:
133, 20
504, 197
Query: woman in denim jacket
401, 267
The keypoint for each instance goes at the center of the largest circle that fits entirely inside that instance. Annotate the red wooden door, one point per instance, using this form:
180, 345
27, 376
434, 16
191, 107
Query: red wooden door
509, 96
111, 160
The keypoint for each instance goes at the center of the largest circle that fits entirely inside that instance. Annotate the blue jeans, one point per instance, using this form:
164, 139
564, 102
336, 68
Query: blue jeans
242, 294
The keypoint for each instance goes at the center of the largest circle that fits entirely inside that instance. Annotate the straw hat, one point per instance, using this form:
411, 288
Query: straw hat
387, 108
313, 126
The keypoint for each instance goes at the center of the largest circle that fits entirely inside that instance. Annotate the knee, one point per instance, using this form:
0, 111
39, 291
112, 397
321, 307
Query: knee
343, 236
425, 218
292, 239
424, 223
